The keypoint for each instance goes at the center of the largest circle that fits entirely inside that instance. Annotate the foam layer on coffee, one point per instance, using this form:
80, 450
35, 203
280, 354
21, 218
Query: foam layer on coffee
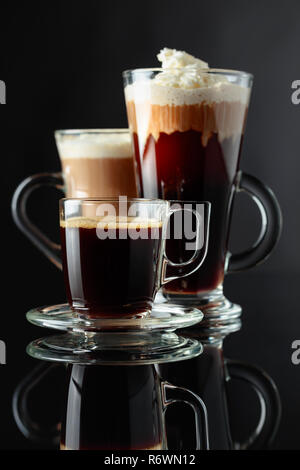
168, 95
98, 145
108, 222
188, 97
185, 80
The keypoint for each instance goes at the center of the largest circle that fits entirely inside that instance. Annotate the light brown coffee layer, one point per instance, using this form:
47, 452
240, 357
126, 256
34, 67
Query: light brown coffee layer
99, 177
227, 119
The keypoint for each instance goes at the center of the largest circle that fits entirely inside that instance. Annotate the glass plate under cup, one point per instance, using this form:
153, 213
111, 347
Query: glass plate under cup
118, 348
166, 318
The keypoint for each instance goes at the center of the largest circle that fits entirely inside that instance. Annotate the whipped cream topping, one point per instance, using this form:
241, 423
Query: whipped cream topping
98, 145
185, 95
182, 70
184, 80
173, 59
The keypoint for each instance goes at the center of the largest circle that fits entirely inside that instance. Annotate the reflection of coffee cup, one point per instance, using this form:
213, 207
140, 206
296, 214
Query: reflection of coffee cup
121, 408
95, 163
115, 264
188, 125
209, 375
112, 406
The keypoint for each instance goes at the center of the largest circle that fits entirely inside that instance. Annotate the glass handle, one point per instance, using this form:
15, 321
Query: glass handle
172, 270
271, 217
172, 394
19, 202
269, 399
29, 428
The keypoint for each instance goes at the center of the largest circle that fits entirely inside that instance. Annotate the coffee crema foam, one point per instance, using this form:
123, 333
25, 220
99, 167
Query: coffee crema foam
110, 223
98, 145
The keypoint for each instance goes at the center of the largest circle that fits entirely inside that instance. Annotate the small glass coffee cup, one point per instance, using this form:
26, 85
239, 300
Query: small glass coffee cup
114, 256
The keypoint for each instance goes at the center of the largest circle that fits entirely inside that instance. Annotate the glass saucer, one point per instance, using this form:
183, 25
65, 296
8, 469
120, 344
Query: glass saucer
116, 348
163, 318
220, 316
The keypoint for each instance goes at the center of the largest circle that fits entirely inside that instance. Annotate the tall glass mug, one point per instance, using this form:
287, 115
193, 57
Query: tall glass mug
187, 145
95, 163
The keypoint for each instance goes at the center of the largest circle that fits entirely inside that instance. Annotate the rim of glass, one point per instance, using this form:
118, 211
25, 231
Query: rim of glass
111, 199
91, 131
129, 199
238, 73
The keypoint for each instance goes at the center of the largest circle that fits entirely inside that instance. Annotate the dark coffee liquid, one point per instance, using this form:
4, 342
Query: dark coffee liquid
112, 408
110, 277
205, 376
178, 166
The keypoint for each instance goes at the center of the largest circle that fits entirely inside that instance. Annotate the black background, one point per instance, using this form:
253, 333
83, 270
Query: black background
62, 64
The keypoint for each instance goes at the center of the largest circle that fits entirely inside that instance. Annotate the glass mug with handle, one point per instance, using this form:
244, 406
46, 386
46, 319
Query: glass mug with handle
209, 376
187, 145
95, 163
114, 257
107, 407
131, 409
